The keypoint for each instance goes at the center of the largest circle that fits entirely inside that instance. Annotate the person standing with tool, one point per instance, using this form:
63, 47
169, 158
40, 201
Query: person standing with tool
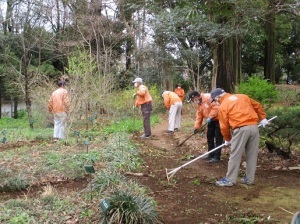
173, 104
143, 99
239, 114
208, 110
59, 106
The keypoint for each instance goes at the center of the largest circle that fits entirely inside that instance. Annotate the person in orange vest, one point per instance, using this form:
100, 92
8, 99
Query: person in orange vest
179, 91
208, 110
59, 106
239, 115
143, 99
173, 104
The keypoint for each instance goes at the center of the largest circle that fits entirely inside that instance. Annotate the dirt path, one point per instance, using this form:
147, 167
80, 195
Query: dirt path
191, 195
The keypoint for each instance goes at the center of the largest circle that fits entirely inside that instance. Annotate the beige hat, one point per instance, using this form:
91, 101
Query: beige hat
138, 80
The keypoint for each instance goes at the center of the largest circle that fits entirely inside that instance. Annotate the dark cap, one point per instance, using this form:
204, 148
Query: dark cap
192, 95
61, 83
215, 93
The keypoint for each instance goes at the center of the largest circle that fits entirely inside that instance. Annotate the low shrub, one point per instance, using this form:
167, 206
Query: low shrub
259, 89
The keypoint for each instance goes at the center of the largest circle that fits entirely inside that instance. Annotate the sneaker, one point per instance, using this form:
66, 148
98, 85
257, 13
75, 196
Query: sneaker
145, 136
176, 129
244, 180
214, 160
224, 182
169, 132
207, 157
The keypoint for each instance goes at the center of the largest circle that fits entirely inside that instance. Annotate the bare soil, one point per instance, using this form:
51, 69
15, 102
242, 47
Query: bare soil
191, 196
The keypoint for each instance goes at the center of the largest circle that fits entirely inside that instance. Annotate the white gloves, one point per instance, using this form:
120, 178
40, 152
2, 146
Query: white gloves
134, 96
227, 143
264, 122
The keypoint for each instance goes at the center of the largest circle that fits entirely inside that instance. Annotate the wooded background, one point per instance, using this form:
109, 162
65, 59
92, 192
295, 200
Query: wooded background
103, 44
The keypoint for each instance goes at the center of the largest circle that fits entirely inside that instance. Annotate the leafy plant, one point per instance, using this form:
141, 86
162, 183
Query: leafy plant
130, 208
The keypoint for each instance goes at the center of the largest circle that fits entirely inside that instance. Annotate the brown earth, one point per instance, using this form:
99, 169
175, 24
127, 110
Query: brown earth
191, 196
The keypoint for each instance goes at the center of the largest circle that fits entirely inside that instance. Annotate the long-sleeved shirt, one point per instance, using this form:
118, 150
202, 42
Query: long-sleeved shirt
59, 101
142, 96
238, 110
170, 98
180, 93
206, 110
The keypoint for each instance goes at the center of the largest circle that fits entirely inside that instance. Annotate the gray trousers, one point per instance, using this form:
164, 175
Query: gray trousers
246, 139
146, 109
175, 116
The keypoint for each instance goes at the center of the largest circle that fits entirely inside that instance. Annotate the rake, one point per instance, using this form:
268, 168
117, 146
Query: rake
172, 172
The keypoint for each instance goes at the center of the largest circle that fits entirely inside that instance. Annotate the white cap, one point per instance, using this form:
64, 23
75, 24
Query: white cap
138, 80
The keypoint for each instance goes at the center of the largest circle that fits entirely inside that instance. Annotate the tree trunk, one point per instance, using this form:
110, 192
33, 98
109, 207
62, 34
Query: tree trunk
15, 108
269, 68
214, 74
225, 78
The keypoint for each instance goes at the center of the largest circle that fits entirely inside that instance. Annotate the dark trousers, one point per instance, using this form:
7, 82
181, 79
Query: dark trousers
214, 138
146, 109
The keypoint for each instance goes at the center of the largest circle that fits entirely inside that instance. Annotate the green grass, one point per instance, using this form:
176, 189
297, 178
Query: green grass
129, 125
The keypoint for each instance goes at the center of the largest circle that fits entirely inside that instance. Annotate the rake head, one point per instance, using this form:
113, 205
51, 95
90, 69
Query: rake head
171, 173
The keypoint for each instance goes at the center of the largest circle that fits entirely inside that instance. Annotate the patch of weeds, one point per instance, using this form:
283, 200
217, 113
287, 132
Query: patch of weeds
121, 154
189, 156
4, 172
16, 203
107, 180
196, 182
246, 217
21, 218
171, 183
14, 183
48, 195
86, 213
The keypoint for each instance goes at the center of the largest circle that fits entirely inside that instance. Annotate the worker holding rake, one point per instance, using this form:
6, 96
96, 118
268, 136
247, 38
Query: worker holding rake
239, 116
208, 110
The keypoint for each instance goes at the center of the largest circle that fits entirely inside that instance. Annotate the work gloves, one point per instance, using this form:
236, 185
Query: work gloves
264, 122
227, 143
208, 120
195, 131
134, 96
